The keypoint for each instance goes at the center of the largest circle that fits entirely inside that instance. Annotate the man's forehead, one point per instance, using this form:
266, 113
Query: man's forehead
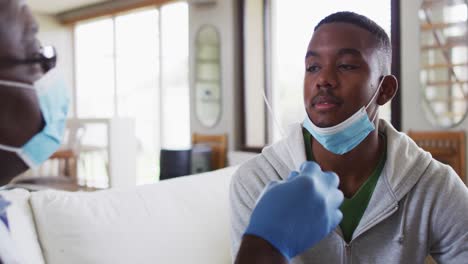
339, 52
339, 36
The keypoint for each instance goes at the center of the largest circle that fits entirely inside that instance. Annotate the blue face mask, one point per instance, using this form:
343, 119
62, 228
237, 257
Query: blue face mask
54, 101
345, 136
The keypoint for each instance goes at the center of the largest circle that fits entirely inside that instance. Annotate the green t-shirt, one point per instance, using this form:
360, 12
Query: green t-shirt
352, 208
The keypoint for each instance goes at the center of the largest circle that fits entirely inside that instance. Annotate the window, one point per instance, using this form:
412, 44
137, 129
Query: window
175, 71
136, 65
95, 53
444, 61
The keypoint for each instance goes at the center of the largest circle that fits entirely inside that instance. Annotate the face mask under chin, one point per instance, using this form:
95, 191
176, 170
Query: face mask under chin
53, 102
345, 136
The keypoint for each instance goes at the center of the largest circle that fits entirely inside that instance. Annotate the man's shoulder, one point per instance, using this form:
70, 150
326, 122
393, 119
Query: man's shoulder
439, 174
254, 174
254, 168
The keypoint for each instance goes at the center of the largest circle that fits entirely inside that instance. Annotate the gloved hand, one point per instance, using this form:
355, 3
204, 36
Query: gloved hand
294, 215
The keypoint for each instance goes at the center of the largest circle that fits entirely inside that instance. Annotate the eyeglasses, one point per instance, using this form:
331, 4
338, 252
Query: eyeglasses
47, 58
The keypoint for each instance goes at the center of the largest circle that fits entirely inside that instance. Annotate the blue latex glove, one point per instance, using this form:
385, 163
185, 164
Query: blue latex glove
294, 215
3, 206
8, 251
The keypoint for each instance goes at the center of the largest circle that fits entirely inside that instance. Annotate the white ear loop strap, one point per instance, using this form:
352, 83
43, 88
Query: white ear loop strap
376, 93
373, 97
20, 154
16, 84
9, 149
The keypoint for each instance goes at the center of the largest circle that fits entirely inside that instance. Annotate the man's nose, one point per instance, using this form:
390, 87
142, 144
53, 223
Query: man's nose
33, 26
327, 77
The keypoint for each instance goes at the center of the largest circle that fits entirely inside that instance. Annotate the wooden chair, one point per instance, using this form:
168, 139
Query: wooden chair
218, 144
448, 147
60, 171
67, 161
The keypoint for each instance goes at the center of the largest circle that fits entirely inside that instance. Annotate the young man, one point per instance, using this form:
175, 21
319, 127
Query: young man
400, 204
31, 122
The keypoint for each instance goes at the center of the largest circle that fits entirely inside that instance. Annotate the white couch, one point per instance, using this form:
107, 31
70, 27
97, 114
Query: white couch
184, 220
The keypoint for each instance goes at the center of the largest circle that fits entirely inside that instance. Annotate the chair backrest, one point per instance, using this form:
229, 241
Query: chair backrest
64, 162
74, 135
67, 162
218, 144
448, 147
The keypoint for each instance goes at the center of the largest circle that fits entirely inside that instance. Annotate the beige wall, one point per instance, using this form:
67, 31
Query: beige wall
223, 16
254, 74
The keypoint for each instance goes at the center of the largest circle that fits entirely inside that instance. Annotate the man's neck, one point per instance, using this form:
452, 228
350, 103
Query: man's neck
354, 167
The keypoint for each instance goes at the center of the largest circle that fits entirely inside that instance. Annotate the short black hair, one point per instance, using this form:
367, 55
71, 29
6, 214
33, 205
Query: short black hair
383, 41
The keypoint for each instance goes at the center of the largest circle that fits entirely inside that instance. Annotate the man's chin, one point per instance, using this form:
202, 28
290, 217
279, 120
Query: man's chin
323, 122
23, 73
35, 72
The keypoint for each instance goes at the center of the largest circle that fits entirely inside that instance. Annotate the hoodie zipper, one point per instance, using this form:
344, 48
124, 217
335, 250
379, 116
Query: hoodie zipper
346, 255
348, 246
378, 220
347, 259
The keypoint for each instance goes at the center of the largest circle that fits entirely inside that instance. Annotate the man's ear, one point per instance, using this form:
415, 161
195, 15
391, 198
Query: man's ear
388, 89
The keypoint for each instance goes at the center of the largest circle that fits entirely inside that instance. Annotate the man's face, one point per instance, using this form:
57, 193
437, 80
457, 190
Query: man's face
19, 108
18, 41
341, 73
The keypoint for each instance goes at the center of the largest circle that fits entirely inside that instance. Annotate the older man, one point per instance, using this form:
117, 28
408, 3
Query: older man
32, 112
400, 204
31, 121
20, 115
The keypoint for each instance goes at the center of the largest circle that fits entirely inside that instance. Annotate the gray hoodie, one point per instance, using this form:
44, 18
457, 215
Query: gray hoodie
419, 206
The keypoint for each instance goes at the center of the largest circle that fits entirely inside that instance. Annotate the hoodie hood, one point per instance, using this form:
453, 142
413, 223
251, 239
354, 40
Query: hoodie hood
401, 150
412, 160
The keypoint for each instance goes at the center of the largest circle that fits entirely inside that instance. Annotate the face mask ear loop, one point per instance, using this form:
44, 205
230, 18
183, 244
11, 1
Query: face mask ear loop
373, 97
376, 93
17, 84
9, 149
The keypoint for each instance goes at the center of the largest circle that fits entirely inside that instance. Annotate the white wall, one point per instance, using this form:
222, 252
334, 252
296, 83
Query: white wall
223, 16
412, 113
61, 37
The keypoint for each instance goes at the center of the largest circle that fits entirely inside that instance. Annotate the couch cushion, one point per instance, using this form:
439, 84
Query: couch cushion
22, 229
183, 220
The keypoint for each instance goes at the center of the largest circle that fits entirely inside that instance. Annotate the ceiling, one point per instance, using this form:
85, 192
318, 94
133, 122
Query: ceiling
58, 6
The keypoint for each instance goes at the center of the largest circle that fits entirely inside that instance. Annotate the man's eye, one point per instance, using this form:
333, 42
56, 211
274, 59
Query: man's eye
312, 68
347, 67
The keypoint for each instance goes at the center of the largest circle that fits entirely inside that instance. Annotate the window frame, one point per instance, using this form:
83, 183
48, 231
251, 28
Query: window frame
161, 75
